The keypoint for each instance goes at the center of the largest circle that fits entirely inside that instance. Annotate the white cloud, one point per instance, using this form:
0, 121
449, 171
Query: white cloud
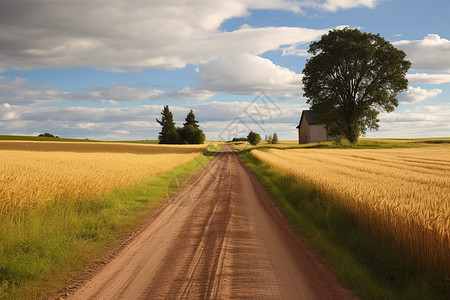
215, 119
113, 35
334, 5
139, 122
86, 125
431, 53
416, 94
294, 50
426, 121
248, 75
426, 78
118, 92
20, 91
191, 93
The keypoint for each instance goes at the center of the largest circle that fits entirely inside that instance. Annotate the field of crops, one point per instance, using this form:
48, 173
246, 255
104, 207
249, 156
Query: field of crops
401, 195
40, 171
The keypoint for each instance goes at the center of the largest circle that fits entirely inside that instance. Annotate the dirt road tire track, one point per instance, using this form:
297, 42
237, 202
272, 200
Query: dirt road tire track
220, 238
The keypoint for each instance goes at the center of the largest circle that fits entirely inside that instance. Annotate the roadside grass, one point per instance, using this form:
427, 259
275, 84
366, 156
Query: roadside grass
364, 265
45, 249
363, 143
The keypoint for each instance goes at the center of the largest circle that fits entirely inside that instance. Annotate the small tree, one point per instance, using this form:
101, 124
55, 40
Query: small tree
47, 134
172, 136
168, 134
253, 138
275, 138
190, 119
352, 77
269, 139
191, 133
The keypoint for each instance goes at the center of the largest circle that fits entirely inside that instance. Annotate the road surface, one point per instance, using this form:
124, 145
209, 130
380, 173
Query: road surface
219, 238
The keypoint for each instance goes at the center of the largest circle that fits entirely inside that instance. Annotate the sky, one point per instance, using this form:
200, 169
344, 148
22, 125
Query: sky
105, 69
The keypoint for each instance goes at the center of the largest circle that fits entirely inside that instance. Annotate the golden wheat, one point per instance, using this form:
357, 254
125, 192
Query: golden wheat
30, 178
401, 195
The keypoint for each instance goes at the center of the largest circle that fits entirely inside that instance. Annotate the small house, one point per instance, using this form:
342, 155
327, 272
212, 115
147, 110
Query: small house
309, 131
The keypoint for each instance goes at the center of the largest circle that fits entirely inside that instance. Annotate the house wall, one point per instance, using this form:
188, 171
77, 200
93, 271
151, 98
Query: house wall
318, 134
303, 132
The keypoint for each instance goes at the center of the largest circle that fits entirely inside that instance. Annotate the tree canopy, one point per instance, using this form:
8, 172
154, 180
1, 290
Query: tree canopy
352, 77
168, 134
190, 119
253, 138
190, 133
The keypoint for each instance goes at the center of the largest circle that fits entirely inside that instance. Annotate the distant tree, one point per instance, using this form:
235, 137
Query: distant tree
191, 133
352, 77
168, 134
253, 138
172, 137
190, 119
242, 139
275, 138
269, 139
48, 135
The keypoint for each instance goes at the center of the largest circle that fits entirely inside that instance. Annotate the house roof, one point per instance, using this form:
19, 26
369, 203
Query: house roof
310, 118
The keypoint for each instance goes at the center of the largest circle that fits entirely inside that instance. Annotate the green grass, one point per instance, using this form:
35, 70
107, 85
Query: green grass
363, 143
44, 249
53, 139
363, 264
35, 138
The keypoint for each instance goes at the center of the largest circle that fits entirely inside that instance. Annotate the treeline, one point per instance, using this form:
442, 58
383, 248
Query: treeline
254, 138
190, 133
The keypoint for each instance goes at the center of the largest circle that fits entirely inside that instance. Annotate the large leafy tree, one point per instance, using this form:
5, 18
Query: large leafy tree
253, 138
352, 77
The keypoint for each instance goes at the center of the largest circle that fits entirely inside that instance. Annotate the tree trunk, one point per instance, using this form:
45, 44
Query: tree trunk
352, 133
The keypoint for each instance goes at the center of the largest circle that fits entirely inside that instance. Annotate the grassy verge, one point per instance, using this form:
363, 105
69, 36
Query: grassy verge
44, 249
370, 269
362, 144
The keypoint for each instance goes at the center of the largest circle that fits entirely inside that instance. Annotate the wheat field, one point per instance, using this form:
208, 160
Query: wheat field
31, 178
400, 195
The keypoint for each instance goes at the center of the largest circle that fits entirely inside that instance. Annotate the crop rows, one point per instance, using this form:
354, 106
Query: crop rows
401, 195
31, 178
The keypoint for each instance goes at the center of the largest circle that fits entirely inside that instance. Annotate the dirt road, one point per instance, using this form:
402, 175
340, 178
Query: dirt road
220, 238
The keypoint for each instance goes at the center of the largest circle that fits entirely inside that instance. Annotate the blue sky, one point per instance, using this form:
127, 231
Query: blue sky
104, 69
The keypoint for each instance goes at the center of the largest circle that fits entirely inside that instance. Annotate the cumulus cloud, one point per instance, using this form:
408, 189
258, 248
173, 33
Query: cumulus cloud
115, 93
21, 91
416, 94
334, 5
191, 93
139, 122
430, 54
426, 78
114, 35
216, 119
249, 74
426, 121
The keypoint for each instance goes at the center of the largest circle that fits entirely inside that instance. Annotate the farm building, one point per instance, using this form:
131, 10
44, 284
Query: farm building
309, 131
